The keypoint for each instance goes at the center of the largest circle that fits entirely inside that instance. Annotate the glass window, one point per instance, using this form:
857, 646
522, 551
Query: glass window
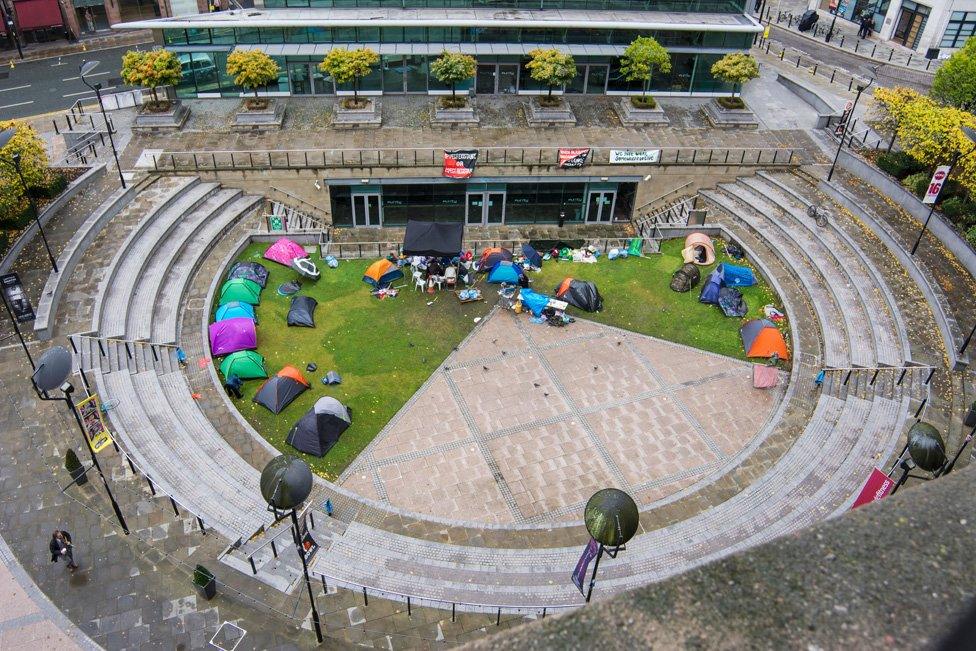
247, 35
414, 35
341, 205
272, 35
344, 34
369, 34
197, 36
520, 204
319, 35
296, 35
391, 34
174, 36
962, 25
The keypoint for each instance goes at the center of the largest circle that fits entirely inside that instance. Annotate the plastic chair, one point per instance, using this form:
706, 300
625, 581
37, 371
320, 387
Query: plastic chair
437, 280
418, 281
450, 277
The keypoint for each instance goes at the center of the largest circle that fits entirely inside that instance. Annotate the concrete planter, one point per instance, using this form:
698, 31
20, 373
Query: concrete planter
171, 120
270, 118
453, 117
723, 118
368, 117
544, 116
632, 116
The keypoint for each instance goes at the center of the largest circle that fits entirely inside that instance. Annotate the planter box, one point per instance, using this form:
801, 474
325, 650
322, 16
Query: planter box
560, 116
270, 118
632, 116
452, 117
723, 118
369, 117
171, 120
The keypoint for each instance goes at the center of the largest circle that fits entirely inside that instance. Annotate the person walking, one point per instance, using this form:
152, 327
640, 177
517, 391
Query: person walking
61, 547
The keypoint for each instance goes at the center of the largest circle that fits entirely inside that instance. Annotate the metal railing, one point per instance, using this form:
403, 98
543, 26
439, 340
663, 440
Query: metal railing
306, 206
548, 157
802, 60
675, 213
357, 250
285, 219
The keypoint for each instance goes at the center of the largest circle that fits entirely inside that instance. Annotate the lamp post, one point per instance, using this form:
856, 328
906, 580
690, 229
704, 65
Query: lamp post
286, 482
5, 136
926, 450
843, 134
86, 69
611, 518
970, 133
8, 19
51, 373
830, 31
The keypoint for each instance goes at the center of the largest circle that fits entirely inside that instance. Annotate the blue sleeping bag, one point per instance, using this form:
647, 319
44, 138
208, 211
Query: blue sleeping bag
736, 276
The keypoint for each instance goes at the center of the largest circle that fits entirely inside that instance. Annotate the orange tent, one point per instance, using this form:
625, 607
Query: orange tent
293, 373
381, 273
761, 338
698, 249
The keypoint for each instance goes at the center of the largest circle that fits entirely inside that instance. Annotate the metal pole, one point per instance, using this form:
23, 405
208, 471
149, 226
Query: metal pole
596, 566
24, 343
965, 344
111, 139
840, 145
308, 581
37, 216
928, 218
830, 32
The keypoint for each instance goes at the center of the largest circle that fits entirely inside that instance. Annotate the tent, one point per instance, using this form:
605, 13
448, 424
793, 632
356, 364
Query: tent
685, 278
438, 239
278, 392
241, 290
533, 301
492, 256
306, 267
581, 293
284, 251
731, 301
698, 249
736, 276
321, 426
302, 311
506, 272
532, 256
251, 270
235, 310
761, 338
231, 335
381, 273
711, 289
245, 364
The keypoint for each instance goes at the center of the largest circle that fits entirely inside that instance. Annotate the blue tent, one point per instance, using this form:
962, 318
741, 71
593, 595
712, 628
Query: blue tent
531, 256
235, 310
710, 290
505, 272
533, 301
735, 276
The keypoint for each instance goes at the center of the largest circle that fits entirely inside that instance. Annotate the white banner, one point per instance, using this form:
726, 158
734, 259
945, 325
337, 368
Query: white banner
935, 185
634, 156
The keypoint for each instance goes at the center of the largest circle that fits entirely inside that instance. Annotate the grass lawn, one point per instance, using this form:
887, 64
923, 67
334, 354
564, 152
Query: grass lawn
385, 350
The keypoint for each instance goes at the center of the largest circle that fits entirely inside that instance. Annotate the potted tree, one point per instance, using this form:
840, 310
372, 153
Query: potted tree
642, 58
552, 68
205, 581
734, 69
75, 468
251, 70
346, 66
152, 69
452, 68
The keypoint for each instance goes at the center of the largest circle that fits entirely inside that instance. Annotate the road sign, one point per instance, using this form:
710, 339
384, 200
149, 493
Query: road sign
935, 185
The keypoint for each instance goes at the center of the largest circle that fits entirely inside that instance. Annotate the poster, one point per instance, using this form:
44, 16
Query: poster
309, 546
460, 163
634, 156
583, 564
97, 434
877, 487
573, 157
935, 185
16, 297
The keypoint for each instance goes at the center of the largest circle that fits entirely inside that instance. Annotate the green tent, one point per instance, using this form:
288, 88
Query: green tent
240, 289
245, 364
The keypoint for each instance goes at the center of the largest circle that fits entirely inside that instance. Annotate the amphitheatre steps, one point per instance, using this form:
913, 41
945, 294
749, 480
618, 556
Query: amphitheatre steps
114, 355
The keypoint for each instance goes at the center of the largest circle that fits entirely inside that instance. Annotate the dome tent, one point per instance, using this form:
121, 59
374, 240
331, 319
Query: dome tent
699, 249
241, 290
245, 364
302, 311
492, 256
712, 288
279, 391
761, 338
506, 272
254, 271
382, 273
320, 428
235, 310
284, 251
580, 293
685, 278
232, 335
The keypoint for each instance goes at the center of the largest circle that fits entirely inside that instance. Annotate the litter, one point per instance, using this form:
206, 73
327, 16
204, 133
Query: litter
311, 367
331, 378
771, 313
385, 292
331, 262
289, 288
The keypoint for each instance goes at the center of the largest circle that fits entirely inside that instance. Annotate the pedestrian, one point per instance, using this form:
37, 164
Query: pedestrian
60, 546
181, 357
233, 386
90, 20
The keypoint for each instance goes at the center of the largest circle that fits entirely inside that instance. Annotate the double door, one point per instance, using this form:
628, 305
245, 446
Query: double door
599, 206
307, 79
485, 208
496, 79
590, 80
366, 210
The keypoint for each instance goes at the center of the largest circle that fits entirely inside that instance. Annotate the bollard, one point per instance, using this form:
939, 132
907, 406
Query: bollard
365, 597
498, 620
254, 569
832, 73
152, 489
902, 376
452, 612
848, 377
325, 588
874, 377
274, 549
873, 49
920, 407
173, 504
929, 378
203, 529
409, 612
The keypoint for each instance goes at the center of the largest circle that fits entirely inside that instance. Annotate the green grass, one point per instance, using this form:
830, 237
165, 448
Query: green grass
368, 341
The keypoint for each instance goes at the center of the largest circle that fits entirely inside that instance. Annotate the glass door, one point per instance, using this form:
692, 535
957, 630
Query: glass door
596, 79
508, 79
494, 207
599, 205
366, 210
415, 74
485, 80
475, 208
298, 77
392, 74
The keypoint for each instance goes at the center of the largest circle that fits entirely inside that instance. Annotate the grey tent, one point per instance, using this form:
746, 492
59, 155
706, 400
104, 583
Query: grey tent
321, 426
580, 293
253, 271
685, 278
731, 301
302, 311
278, 392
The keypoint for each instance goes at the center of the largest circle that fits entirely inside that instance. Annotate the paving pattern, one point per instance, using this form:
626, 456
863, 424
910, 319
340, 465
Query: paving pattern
524, 422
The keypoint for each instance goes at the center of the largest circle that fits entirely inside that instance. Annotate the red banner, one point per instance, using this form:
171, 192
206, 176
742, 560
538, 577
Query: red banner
460, 163
573, 157
877, 487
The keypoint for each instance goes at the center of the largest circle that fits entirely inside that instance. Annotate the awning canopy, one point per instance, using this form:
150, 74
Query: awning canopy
433, 238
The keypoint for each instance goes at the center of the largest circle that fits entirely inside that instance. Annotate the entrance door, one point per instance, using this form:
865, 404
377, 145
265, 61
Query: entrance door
485, 81
299, 79
599, 205
911, 22
366, 210
596, 79
508, 79
485, 208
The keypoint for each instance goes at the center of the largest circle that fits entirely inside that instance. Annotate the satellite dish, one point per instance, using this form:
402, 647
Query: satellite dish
611, 517
926, 447
53, 369
286, 482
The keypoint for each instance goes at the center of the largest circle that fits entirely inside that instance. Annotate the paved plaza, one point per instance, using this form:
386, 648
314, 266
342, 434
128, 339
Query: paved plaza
525, 421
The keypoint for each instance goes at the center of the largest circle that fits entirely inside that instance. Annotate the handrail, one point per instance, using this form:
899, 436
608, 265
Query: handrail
293, 197
655, 199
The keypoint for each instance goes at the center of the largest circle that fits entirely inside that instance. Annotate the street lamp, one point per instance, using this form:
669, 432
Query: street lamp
611, 518
926, 450
286, 482
5, 136
970, 133
843, 133
86, 69
51, 373
830, 32
8, 20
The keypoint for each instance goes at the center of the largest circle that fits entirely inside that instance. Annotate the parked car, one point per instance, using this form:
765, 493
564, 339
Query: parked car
202, 68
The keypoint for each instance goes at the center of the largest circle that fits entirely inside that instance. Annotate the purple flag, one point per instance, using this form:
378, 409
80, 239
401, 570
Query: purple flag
583, 564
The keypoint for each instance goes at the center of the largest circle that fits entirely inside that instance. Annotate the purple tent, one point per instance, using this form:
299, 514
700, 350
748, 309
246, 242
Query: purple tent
284, 251
231, 335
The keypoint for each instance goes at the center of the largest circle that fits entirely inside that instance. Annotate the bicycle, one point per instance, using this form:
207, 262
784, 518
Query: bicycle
820, 216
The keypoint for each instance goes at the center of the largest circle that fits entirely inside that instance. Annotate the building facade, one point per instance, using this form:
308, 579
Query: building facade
409, 34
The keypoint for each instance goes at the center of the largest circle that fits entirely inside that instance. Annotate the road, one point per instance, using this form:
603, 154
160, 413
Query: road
46, 85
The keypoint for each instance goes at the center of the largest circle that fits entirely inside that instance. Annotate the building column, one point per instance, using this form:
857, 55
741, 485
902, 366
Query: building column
203, 6
70, 18
112, 12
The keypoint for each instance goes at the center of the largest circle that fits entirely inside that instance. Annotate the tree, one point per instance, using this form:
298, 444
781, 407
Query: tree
955, 81
641, 58
735, 68
151, 69
551, 67
251, 69
452, 68
33, 165
350, 65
